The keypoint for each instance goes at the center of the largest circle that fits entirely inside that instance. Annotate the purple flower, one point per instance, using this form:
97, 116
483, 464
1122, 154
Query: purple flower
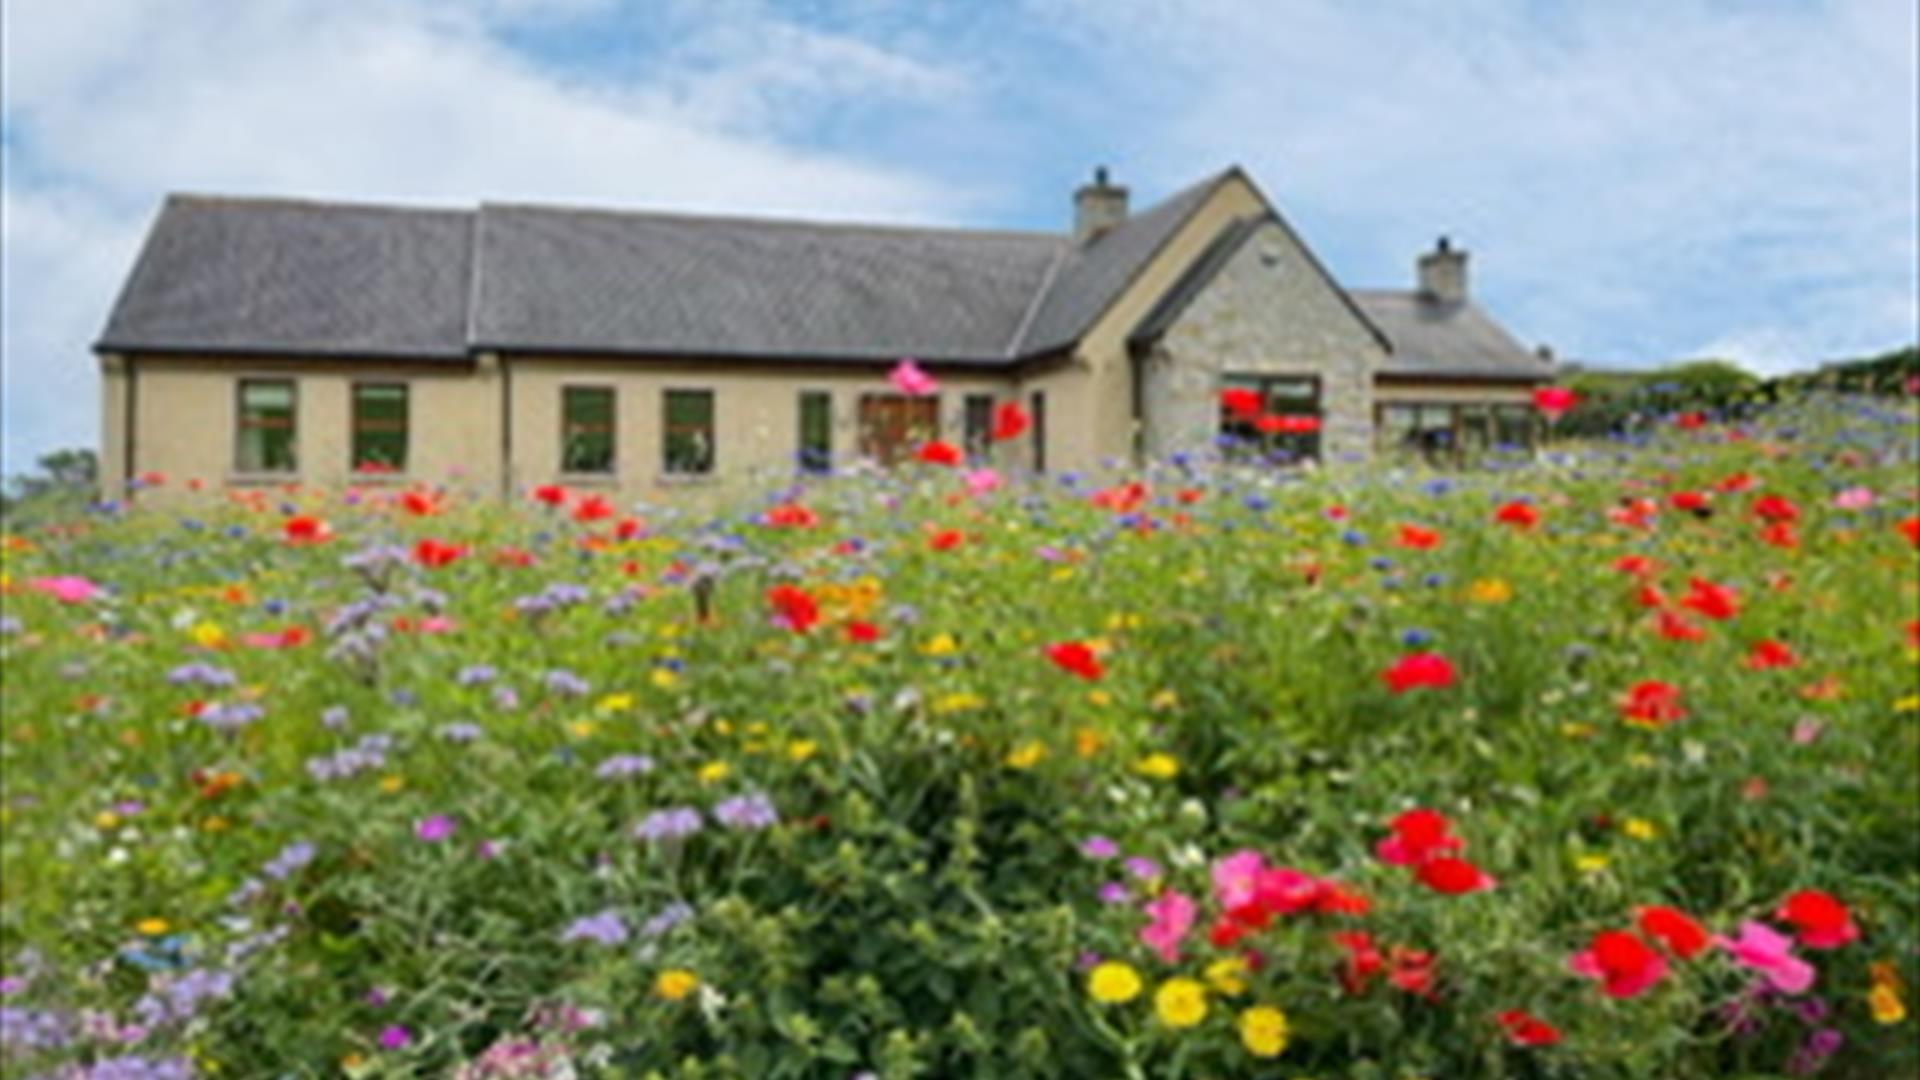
435, 829
669, 917
606, 928
291, 858
750, 811
231, 717
475, 674
395, 1037
198, 674
460, 731
621, 766
334, 717
566, 683
1115, 892
1143, 868
1099, 847
378, 996
673, 823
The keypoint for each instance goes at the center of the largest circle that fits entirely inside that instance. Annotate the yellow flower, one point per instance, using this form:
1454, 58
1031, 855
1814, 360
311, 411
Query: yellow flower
1885, 1002
1591, 863
664, 678
1641, 761
1490, 591
1577, 730
581, 729
1180, 1002
802, 749
1113, 983
714, 771
216, 824
209, 635
1027, 755
1640, 828
153, 927
1088, 742
942, 644
675, 984
106, 819
616, 703
1099, 699
1263, 1031
1228, 976
1164, 701
1910, 703
956, 703
1158, 766
392, 784
1123, 621
1064, 573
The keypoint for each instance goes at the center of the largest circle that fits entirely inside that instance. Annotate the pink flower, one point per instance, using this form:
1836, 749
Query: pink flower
395, 1037
1770, 952
1172, 917
435, 829
982, 481
67, 589
1854, 498
907, 378
1236, 878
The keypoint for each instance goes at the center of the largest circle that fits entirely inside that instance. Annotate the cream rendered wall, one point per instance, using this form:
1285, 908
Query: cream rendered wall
184, 421
114, 390
1391, 390
756, 417
1104, 348
1267, 311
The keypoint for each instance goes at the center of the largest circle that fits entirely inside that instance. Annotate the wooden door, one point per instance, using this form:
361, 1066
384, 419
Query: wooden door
892, 426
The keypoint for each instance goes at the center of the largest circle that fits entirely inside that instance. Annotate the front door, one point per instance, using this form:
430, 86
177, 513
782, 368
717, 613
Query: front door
892, 426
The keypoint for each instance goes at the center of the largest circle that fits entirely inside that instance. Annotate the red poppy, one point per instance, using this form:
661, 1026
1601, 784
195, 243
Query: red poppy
1674, 627
629, 529
1363, 959
1768, 653
551, 494
1713, 601
1780, 534
153, 479
1525, 1029
513, 556
1625, 965
1691, 502
1635, 513
946, 539
794, 606
1650, 596
593, 508
1637, 565
419, 503
792, 516
1819, 919
1675, 929
1010, 421
1910, 529
863, 633
1413, 536
306, 529
1734, 483
1453, 876
1242, 402
941, 453
1520, 515
1775, 508
1122, 498
1690, 421
1424, 669
1419, 834
1412, 970
1076, 658
1653, 702
434, 554
1554, 401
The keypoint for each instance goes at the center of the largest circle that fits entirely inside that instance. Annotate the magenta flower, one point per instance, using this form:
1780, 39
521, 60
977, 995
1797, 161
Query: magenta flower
911, 381
1770, 952
1236, 878
1172, 915
435, 829
67, 588
395, 1037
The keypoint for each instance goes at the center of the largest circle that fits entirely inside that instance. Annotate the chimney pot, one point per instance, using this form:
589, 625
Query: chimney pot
1443, 273
1098, 206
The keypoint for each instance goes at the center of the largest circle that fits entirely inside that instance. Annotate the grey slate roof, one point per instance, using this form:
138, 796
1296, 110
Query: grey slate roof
557, 279
1434, 338
253, 275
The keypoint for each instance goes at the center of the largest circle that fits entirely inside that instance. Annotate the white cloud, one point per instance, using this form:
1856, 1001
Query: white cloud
109, 105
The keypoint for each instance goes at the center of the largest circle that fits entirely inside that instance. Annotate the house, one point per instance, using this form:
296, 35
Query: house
263, 341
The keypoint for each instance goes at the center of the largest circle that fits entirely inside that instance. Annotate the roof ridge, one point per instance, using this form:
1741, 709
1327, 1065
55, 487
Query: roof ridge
1039, 297
300, 202
823, 225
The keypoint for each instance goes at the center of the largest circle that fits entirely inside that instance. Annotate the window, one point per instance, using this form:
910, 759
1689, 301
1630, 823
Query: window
1513, 425
267, 433
1288, 428
816, 430
586, 429
689, 432
1037, 405
379, 427
893, 426
979, 424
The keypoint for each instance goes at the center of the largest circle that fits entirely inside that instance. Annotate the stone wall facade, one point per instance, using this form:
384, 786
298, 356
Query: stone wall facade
1268, 311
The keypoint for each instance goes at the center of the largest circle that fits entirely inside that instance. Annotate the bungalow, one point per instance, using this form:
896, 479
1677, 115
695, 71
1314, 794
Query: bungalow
263, 341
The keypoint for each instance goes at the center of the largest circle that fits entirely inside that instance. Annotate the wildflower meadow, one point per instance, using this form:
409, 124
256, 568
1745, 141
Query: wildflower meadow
1601, 760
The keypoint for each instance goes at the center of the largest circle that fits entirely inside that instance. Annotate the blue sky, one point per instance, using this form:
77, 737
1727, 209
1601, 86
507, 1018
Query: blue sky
1637, 181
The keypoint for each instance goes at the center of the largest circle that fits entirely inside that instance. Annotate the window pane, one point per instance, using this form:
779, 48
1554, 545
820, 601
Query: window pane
379, 427
1259, 438
816, 430
689, 431
266, 436
979, 425
586, 429
1037, 408
1513, 425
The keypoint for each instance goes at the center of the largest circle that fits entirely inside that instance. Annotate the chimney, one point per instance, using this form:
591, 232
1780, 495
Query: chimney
1097, 207
1443, 273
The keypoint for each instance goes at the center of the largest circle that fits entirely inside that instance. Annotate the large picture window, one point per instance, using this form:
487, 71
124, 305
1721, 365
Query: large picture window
379, 427
268, 432
816, 430
1285, 429
1452, 429
892, 426
689, 432
587, 429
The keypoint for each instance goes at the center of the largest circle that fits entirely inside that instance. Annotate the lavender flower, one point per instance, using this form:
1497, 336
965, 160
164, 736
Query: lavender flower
669, 917
566, 683
671, 824
747, 812
199, 674
289, 861
230, 717
475, 674
334, 717
606, 928
460, 732
621, 766
1143, 868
